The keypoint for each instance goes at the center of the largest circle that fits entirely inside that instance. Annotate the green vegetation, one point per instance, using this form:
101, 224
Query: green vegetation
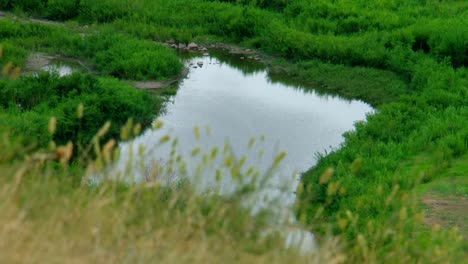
29, 102
46, 216
407, 58
107, 51
445, 198
129, 58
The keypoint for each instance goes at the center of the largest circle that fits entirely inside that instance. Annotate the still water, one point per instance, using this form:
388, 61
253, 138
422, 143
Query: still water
234, 104
60, 69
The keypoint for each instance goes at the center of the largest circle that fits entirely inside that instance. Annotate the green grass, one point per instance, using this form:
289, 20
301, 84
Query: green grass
29, 102
106, 50
457, 186
452, 182
130, 58
373, 86
444, 200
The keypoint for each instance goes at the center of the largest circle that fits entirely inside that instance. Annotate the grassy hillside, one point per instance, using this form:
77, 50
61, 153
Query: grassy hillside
407, 58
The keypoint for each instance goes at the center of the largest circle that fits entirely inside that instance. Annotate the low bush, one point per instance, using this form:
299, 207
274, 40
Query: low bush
12, 54
105, 10
36, 7
63, 9
129, 58
47, 95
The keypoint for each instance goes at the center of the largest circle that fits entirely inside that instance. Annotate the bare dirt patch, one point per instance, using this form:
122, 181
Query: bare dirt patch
160, 84
448, 212
38, 61
34, 20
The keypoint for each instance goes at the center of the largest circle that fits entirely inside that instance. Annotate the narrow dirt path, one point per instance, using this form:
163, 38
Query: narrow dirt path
446, 198
161, 84
34, 20
448, 212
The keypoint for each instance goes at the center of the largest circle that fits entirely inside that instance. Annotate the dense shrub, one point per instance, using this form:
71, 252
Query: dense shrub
270, 4
105, 10
10, 29
240, 25
31, 99
32, 6
29, 127
451, 40
129, 58
63, 9
12, 54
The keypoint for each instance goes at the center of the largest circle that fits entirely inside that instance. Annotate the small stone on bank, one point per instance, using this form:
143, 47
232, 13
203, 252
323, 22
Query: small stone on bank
192, 46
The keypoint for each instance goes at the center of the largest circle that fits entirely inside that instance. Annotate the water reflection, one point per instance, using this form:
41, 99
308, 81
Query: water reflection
60, 69
231, 102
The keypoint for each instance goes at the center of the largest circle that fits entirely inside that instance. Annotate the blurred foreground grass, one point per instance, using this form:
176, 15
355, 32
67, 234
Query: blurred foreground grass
48, 218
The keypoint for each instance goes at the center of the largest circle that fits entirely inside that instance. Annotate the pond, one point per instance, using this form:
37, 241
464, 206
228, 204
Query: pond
236, 104
59, 68
60, 65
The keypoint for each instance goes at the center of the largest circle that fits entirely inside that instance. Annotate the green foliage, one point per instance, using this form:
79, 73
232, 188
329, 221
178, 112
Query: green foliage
29, 128
32, 100
12, 54
15, 29
129, 58
101, 11
62, 9
277, 5
242, 24
32, 6
112, 53
451, 40
106, 10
